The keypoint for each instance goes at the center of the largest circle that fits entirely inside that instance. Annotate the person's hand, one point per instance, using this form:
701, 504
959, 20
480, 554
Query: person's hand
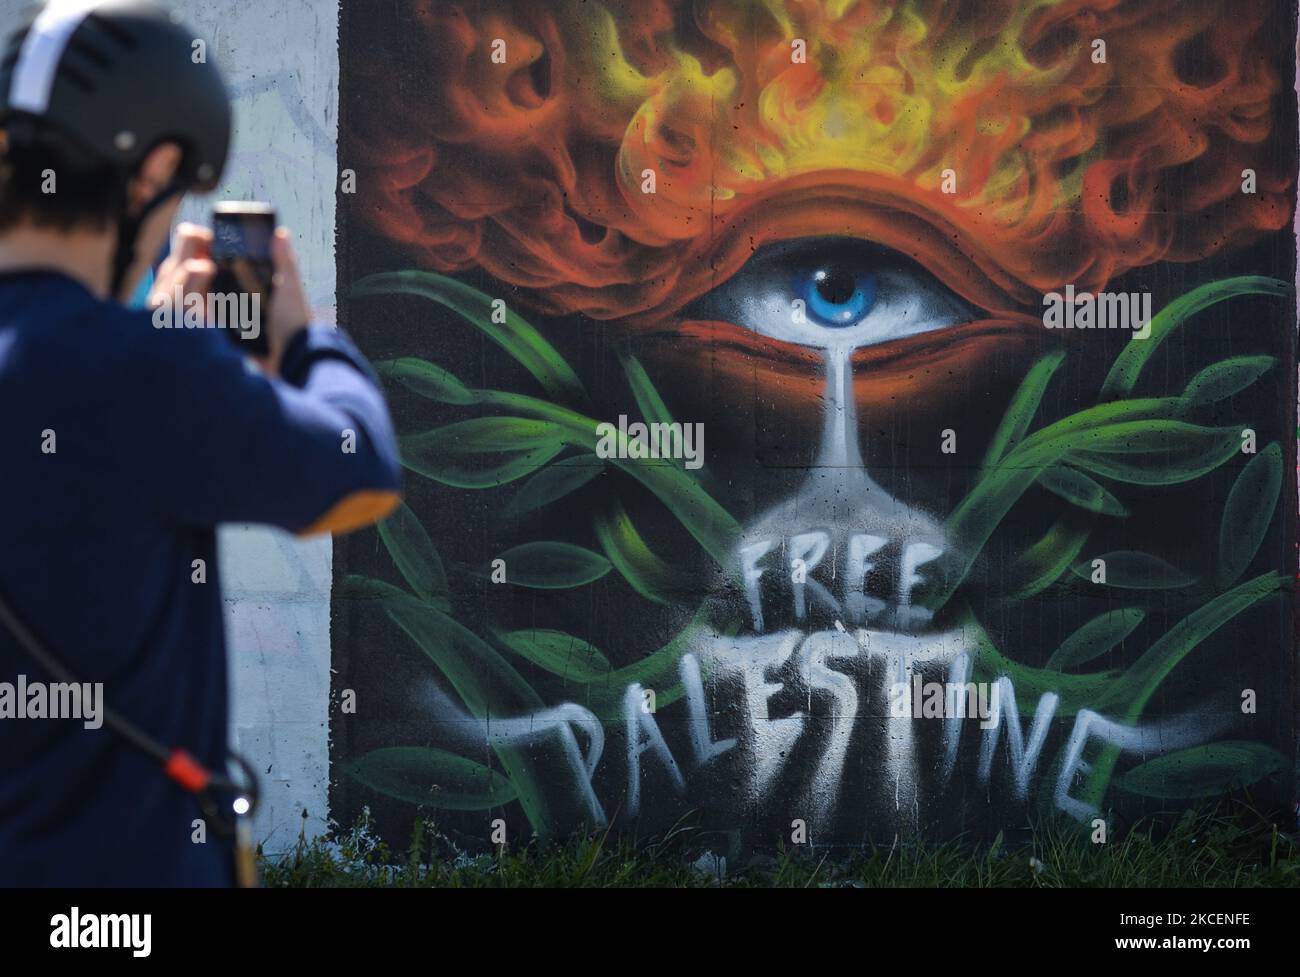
188, 266
289, 314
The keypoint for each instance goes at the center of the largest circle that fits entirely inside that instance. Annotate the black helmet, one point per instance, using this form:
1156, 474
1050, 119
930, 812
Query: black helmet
113, 79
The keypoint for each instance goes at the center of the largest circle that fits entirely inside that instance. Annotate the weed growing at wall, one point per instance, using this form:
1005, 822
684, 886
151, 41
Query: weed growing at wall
1223, 846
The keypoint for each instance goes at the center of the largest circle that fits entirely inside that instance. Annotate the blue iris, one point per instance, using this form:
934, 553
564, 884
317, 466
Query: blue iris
837, 296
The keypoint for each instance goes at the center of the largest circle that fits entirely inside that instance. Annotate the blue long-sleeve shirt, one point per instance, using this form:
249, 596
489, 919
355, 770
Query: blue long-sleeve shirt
122, 446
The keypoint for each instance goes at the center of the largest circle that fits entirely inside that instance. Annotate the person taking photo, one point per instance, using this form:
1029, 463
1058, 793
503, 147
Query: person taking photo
123, 446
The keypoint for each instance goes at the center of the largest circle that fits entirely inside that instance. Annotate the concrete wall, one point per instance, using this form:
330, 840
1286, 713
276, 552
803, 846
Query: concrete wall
280, 61
600, 210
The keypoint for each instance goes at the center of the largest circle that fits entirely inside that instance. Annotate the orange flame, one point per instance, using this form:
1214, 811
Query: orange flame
995, 141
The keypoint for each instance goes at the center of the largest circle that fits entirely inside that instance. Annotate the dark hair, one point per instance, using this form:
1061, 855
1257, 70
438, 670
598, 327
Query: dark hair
84, 193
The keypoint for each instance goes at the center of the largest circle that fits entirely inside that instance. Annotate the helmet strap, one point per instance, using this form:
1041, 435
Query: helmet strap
128, 230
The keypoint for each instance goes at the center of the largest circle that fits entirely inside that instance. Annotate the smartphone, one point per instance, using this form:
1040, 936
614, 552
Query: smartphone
242, 231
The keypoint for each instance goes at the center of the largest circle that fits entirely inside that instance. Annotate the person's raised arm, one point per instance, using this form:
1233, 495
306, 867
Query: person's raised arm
307, 445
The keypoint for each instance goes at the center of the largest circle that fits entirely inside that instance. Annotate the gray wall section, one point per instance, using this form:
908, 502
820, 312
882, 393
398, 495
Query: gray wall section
280, 61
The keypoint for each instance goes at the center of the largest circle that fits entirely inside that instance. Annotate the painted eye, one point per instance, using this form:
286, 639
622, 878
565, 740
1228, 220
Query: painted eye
841, 293
837, 294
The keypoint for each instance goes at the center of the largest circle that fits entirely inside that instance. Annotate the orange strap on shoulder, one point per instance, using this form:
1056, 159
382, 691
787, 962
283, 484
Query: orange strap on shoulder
356, 511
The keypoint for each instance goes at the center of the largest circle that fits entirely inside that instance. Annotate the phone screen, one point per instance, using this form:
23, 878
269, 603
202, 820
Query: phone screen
241, 248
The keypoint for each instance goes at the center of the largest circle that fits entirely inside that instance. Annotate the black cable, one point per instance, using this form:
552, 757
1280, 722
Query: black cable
137, 737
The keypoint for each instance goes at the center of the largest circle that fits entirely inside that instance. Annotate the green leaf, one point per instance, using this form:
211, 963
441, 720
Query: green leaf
1024, 405
1030, 684
1203, 771
516, 336
1095, 638
427, 380
353, 586
413, 552
978, 514
559, 653
483, 452
679, 491
1135, 571
1248, 513
551, 565
660, 670
654, 410
1130, 693
652, 407
1124, 373
1144, 676
701, 515
972, 522
1042, 564
554, 483
485, 682
1077, 488
1066, 433
1154, 452
431, 778
1109, 692
640, 566
1225, 378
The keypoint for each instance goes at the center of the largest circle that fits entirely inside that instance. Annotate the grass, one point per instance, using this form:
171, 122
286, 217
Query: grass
1227, 846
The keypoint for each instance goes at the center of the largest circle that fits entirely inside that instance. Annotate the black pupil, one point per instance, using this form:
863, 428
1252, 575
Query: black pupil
836, 284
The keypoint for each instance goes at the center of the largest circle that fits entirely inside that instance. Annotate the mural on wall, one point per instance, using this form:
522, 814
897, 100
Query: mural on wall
864, 418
